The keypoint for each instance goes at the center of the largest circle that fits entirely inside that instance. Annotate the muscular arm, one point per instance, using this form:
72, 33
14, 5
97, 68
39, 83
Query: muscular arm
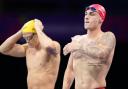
69, 74
103, 47
47, 43
9, 47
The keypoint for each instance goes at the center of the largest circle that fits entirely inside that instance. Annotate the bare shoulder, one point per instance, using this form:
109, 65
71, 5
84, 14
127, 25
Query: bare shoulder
57, 44
108, 38
78, 37
109, 34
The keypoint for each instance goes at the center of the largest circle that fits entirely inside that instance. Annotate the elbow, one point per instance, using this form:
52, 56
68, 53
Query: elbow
2, 51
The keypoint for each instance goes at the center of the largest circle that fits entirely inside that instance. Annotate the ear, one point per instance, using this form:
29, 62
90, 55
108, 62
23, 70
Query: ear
100, 20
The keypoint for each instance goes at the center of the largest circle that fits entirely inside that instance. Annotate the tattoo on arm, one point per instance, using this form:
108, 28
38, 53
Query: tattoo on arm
102, 47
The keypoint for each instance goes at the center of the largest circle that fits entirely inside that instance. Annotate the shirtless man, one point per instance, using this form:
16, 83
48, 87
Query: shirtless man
42, 55
91, 54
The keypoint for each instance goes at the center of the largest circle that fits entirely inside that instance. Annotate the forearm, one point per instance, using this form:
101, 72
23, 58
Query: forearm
10, 42
71, 47
97, 51
68, 79
102, 47
44, 40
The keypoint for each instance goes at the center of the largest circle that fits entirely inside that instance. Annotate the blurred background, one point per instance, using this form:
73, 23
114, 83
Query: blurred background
62, 19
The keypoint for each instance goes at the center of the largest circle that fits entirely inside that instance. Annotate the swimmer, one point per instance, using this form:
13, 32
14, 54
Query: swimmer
91, 54
41, 52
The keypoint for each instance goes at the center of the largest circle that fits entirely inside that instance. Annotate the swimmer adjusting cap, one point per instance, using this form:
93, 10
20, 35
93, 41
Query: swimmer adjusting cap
29, 27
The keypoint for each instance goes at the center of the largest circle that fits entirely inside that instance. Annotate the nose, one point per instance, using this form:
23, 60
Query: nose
86, 17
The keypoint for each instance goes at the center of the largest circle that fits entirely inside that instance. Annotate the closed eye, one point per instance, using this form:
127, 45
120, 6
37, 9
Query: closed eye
92, 13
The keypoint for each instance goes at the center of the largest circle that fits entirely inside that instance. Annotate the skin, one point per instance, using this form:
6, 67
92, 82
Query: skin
42, 56
90, 55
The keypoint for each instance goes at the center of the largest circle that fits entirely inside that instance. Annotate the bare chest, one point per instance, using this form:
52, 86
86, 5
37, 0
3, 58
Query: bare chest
35, 58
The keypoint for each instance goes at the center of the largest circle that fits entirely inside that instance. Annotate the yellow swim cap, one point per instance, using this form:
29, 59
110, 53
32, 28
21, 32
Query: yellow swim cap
28, 27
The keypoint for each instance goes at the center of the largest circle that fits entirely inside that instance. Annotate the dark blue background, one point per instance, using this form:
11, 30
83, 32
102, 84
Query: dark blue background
62, 19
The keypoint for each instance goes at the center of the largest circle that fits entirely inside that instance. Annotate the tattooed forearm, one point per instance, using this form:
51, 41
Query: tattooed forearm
102, 47
95, 51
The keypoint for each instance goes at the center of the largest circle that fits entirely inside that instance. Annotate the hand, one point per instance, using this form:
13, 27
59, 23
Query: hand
70, 47
38, 25
66, 49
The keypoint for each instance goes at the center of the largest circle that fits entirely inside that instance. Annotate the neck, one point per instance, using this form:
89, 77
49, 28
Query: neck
94, 33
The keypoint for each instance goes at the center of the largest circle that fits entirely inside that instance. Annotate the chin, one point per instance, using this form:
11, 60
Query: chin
86, 27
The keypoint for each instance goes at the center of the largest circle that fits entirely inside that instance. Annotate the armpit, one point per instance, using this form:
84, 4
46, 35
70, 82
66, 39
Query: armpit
54, 49
51, 51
